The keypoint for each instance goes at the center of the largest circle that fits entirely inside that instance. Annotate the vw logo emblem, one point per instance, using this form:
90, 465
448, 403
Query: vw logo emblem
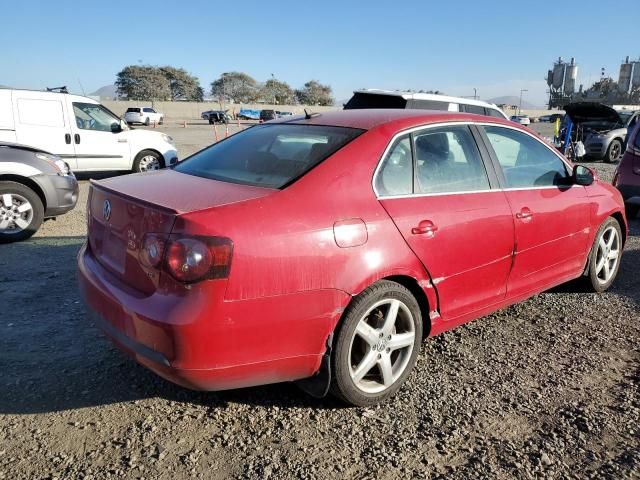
106, 209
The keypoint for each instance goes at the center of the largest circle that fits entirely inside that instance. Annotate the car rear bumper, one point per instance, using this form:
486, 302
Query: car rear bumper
242, 344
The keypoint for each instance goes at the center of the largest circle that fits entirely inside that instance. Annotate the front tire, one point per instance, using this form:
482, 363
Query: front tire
147, 160
161, 121
147, 122
613, 152
376, 345
21, 212
606, 252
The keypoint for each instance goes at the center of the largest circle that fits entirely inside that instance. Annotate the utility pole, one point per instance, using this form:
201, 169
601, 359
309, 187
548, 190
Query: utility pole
475, 93
520, 106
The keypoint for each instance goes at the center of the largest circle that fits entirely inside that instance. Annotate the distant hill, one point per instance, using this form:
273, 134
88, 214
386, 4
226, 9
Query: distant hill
512, 100
108, 91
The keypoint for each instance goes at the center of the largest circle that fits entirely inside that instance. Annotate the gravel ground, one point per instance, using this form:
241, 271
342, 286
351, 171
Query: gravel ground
545, 389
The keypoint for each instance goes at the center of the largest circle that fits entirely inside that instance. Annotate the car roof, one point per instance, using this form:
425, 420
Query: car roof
367, 119
426, 96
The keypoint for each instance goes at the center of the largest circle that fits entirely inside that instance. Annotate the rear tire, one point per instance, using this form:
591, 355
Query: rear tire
147, 122
21, 212
614, 151
161, 121
148, 160
376, 344
605, 255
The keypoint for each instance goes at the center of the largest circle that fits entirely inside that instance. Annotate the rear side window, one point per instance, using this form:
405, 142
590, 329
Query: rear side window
149, 110
43, 113
133, 110
525, 161
492, 112
372, 100
395, 176
473, 109
268, 155
448, 161
428, 105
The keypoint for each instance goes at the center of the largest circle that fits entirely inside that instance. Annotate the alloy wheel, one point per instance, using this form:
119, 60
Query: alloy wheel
148, 163
608, 255
381, 346
16, 213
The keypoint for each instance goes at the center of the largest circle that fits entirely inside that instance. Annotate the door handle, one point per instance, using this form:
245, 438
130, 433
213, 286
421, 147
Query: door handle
77, 138
524, 214
67, 138
122, 140
425, 227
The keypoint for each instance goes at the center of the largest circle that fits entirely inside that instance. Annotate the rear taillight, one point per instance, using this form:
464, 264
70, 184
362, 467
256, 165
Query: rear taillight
188, 259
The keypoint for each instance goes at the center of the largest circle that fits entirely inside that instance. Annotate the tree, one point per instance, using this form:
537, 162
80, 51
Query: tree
236, 86
142, 82
182, 85
314, 93
277, 92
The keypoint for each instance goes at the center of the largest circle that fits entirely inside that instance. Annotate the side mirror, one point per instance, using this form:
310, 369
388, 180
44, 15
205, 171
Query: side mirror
582, 175
116, 127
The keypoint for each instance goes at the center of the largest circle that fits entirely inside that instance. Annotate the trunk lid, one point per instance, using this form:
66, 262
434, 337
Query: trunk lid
122, 210
591, 112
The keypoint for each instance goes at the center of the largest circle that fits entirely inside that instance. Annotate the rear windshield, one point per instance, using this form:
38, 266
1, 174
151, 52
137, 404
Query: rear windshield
372, 100
135, 110
268, 155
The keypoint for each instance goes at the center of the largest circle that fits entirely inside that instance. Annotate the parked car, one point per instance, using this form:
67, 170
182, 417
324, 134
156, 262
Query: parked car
374, 98
627, 176
143, 115
34, 186
521, 120
550, 118
375, 229
248, 114
85, 134
216, 116
266, 115
600, 128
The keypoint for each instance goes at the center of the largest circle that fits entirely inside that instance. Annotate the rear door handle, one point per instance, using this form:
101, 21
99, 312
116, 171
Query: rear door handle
524, 214
77, 138
67, 138
425, 227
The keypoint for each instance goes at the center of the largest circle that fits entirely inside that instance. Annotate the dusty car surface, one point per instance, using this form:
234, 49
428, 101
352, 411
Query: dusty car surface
627, 176
602, 130
34, 186
326, 247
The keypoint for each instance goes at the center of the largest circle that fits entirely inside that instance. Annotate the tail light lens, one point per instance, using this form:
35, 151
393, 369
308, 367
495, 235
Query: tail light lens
188, 259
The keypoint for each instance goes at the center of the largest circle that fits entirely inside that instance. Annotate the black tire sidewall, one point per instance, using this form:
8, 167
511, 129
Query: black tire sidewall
36, 204
607, 157
342, 384
592, 274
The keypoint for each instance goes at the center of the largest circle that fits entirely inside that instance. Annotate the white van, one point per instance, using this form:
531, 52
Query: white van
374, 98
88, 136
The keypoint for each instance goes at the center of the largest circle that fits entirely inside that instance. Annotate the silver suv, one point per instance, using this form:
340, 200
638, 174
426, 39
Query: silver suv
34, 186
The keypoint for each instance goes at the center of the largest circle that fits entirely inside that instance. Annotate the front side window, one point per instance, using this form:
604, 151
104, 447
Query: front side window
494, 113
91, 116
266, 155
395, 176
448, 161
474, 109
525, 161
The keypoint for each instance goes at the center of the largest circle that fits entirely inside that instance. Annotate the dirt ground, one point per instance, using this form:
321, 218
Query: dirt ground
545, 389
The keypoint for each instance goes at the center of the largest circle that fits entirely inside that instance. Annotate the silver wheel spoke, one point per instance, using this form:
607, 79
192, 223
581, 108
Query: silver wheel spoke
386, 370
365, 366
390, 318
7, 199
613, 254
401, 340
607, 270
21, 222
612, 237
602, 244
4, 224
368, 333
600, 264
24, 207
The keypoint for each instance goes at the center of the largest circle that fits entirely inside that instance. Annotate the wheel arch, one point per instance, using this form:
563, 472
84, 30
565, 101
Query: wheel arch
27, 182
416, 290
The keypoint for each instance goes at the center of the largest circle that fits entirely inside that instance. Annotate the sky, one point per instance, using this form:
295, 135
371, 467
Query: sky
498, 47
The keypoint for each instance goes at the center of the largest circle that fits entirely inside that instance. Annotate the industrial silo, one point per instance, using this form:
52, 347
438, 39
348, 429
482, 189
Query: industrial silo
635, 78
570, 77
558, 73
624, 80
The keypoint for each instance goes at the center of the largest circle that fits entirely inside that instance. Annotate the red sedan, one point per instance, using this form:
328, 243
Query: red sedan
326, 247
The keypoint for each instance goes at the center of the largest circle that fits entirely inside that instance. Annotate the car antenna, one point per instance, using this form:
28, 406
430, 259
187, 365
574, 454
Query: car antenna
310, 115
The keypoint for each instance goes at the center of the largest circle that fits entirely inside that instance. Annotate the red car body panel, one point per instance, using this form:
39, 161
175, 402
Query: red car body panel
301, 253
